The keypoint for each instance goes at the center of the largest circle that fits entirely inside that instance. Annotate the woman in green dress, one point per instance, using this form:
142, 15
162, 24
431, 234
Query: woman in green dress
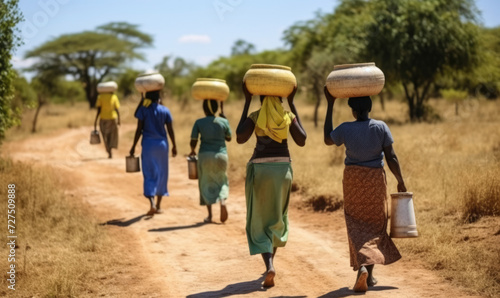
269, 174
212, 158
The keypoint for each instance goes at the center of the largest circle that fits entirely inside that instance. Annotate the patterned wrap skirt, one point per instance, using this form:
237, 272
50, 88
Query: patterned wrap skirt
109, 131
267, 191
212, 177
365, 209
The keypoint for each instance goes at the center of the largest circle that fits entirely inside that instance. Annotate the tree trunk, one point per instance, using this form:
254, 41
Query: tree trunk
382, 100
41, 102
90, 90
411, 103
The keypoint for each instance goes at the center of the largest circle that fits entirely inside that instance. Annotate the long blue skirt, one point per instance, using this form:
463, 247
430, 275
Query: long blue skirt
155, 167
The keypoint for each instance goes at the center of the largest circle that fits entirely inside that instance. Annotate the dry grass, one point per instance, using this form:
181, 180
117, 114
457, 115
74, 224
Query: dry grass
481, 195
452, 166
61, 249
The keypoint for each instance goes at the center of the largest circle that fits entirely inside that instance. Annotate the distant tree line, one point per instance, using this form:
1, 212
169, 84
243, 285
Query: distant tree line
422, 47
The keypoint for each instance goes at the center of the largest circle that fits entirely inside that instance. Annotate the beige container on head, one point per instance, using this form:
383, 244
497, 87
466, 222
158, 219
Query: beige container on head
206, 88
149, 82
107, 87
355, 80
403, 224
270, 79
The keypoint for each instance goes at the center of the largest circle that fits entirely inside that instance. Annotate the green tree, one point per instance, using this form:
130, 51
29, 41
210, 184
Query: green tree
416, 41
24, 95
242, 47
10, 16
328, 39
233, 68
91, 56
178, 76
126, 80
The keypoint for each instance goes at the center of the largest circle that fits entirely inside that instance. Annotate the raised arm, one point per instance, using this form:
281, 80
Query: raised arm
297, 131
328, 128
393, 163
246, 125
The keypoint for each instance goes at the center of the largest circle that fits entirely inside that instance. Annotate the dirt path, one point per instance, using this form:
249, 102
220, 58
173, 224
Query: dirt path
184, 257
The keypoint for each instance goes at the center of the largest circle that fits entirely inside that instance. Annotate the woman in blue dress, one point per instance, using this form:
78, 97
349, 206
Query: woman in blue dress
152, 120
212, 158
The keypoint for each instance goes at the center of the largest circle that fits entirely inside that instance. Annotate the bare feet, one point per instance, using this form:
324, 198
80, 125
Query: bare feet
151, 211
223, 212
269, 280
361, 284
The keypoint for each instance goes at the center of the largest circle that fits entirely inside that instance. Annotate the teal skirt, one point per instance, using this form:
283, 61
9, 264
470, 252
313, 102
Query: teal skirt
267, 191
212, 177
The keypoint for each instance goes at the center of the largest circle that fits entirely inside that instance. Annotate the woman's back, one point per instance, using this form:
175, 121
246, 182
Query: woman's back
155, 116
364, 142
213, 131
267, 147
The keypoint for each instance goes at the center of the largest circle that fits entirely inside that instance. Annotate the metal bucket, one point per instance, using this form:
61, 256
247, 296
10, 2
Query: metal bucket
94, 137
403, 224
192, 167
132, 164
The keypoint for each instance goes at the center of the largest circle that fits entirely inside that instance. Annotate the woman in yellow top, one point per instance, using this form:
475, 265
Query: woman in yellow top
107, 107
269, 174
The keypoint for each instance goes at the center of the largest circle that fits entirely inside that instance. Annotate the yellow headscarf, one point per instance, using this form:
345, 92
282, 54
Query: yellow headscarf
273, 120
147, 102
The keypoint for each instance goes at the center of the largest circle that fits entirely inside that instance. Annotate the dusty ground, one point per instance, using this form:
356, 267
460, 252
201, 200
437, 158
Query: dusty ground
176, 255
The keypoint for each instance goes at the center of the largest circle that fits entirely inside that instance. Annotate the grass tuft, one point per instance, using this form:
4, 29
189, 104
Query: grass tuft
481, 197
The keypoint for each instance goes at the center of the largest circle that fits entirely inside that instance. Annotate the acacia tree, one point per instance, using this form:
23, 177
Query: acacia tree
91, 56
415, 41
10, 16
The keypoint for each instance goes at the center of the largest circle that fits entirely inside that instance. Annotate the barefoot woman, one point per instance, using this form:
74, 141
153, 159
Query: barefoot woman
366, 141
269, 174
152, 119
212, 158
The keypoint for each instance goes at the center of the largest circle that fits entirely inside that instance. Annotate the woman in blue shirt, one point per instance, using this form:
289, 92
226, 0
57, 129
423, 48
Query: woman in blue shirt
365, 207
152, 119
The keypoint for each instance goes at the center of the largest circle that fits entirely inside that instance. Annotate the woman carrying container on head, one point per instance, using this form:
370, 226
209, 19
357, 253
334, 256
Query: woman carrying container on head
212, 158
269, 174
152, 120
366, 141
107, 108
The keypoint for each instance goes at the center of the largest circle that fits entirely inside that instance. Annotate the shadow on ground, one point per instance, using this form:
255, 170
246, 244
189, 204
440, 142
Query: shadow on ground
346, 292
168, 229
123, 223
240, 288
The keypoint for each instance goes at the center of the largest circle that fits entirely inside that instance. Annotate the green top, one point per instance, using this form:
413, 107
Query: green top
214, 131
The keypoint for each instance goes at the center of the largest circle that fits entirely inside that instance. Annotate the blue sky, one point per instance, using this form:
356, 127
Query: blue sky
197, 30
